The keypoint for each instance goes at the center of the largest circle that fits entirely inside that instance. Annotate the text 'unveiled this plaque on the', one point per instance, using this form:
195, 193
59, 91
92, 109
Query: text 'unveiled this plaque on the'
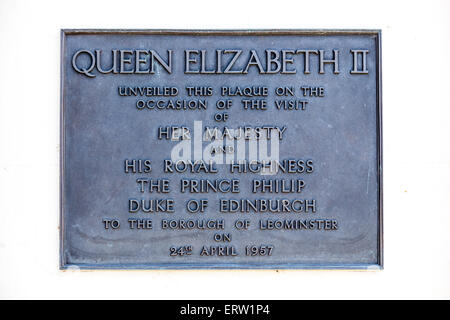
221, 149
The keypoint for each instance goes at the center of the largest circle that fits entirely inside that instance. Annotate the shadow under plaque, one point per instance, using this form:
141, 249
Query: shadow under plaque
221, 149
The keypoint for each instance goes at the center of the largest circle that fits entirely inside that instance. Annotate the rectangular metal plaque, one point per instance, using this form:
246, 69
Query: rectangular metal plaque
221, 149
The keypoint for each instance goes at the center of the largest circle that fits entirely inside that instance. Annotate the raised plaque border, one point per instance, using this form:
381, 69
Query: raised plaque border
277, 32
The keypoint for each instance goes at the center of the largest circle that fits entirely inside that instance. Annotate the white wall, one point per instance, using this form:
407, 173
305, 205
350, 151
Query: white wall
416, 105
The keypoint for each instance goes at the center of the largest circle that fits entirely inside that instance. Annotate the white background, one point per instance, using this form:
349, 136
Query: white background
416, 116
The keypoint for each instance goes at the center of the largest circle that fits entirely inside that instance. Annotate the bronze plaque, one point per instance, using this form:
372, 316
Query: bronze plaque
221, 149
